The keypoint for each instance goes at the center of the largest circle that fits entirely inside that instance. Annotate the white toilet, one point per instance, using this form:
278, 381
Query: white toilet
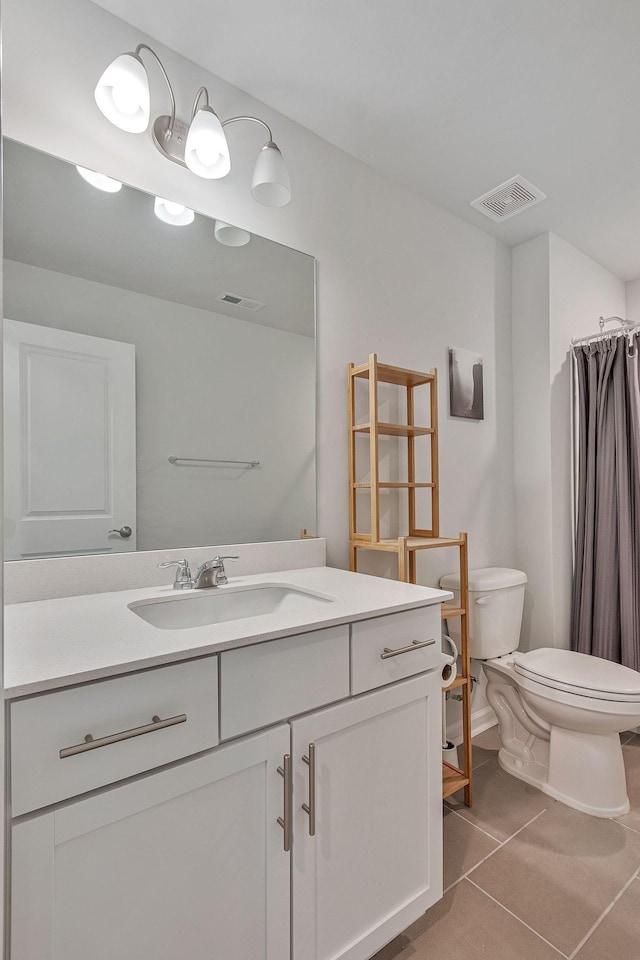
559, 712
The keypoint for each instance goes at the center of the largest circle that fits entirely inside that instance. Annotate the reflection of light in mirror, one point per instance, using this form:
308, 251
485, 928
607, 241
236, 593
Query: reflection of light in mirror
173, 213
229, 235
99, 180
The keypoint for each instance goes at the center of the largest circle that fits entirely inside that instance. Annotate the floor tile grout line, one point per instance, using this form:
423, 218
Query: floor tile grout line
465, 876
520, 920
486, 832
481, 764
627, 826
595, 926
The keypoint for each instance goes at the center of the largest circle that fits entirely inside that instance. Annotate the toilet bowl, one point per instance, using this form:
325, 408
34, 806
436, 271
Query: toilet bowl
559, 713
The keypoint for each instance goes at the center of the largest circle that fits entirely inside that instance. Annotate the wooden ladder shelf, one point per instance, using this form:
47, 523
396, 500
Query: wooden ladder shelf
406, 547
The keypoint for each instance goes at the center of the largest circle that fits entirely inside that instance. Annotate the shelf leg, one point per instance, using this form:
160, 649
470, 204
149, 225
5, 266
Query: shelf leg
373, 446
435, 490
402, 559
466, 667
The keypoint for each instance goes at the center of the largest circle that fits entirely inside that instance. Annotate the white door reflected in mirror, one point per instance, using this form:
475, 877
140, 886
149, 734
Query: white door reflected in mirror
70, 443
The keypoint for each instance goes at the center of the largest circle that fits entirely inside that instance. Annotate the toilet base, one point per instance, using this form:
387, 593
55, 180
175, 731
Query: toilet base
585, 771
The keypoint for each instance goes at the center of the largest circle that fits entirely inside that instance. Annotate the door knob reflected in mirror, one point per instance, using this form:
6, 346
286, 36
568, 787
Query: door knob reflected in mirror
124, 532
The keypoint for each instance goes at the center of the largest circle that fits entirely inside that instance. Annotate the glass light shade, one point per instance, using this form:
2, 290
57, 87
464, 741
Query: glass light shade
229, 235
173, 213
122, 93
206, 151
270, 184
99, 180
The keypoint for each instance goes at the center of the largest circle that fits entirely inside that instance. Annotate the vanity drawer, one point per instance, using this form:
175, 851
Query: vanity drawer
119, 715
371, 667
278, 679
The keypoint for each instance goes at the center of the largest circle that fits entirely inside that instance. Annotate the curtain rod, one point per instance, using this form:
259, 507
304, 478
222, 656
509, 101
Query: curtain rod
626, 326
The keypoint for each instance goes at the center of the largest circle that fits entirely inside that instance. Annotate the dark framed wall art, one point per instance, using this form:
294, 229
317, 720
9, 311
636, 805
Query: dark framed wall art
466, 393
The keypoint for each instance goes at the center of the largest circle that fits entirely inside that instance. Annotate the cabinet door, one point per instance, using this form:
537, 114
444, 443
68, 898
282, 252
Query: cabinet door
374, 864
180, 865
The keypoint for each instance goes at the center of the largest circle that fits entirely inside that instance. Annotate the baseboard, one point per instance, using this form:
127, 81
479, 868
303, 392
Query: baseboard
482, 720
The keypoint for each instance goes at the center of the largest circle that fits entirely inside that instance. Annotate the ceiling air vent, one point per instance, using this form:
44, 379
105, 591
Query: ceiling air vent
511, 197
243, 302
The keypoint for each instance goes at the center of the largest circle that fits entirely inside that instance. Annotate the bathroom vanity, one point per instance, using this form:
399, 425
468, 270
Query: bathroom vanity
267, 786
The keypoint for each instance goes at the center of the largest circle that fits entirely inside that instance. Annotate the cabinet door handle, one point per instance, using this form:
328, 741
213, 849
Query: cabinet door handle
310, 807
415, 645
91, 744
285, 820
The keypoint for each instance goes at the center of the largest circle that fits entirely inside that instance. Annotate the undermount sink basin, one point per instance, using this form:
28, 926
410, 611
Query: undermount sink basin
220, 604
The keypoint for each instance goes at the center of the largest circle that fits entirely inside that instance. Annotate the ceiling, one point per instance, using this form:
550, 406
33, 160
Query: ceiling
449, 97
55, 220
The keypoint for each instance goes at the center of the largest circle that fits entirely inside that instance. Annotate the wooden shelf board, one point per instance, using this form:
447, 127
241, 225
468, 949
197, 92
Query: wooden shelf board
428, 543
394, 429
413, 543
389, 546
449, 611
452, 780
397, 375
457, 683
384, 485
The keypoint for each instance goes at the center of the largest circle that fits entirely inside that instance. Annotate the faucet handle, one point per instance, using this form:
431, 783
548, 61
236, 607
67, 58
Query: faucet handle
183, 579
221, 576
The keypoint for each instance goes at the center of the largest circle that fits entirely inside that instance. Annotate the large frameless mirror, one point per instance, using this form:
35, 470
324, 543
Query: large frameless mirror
159, 384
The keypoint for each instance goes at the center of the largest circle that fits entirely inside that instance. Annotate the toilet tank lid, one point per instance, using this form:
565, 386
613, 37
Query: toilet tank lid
579, 670
486, 578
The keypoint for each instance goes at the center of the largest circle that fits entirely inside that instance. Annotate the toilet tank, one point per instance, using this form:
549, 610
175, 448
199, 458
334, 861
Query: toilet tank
496, 598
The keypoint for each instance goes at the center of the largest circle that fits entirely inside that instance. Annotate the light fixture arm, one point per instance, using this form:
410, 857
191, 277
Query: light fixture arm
144, 46
196, 102
225, 123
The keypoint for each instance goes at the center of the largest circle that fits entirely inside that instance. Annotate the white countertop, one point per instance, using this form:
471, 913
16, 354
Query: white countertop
55, 643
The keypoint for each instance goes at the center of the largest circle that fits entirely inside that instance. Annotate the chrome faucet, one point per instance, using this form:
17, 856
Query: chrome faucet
210, 573
183, 579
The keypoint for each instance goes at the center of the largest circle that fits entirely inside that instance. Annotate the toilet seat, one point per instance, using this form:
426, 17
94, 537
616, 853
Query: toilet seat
580, 674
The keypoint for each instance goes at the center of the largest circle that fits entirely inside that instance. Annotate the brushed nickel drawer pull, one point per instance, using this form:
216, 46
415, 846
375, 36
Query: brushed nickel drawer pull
91, 744
285, 821
415, 645
310, 808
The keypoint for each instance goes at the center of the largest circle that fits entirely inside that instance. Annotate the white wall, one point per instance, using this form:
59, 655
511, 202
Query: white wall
206, 386
633, 300
531, 411
558, 294
396, 273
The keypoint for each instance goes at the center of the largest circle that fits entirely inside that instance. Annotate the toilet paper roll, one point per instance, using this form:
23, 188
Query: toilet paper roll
449, 668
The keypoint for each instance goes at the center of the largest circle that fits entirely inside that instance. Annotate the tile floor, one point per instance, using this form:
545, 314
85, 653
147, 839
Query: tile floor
527, 878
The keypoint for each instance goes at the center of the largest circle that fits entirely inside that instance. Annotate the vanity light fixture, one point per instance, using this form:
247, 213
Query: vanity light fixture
229, 235
122, 95
99, 180
173, 213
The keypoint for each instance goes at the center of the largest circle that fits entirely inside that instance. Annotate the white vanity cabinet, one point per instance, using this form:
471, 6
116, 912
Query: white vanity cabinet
311, 832
367, 849
182, 864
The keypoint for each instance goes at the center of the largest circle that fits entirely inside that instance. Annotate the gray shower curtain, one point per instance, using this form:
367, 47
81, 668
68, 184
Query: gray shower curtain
606, 584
